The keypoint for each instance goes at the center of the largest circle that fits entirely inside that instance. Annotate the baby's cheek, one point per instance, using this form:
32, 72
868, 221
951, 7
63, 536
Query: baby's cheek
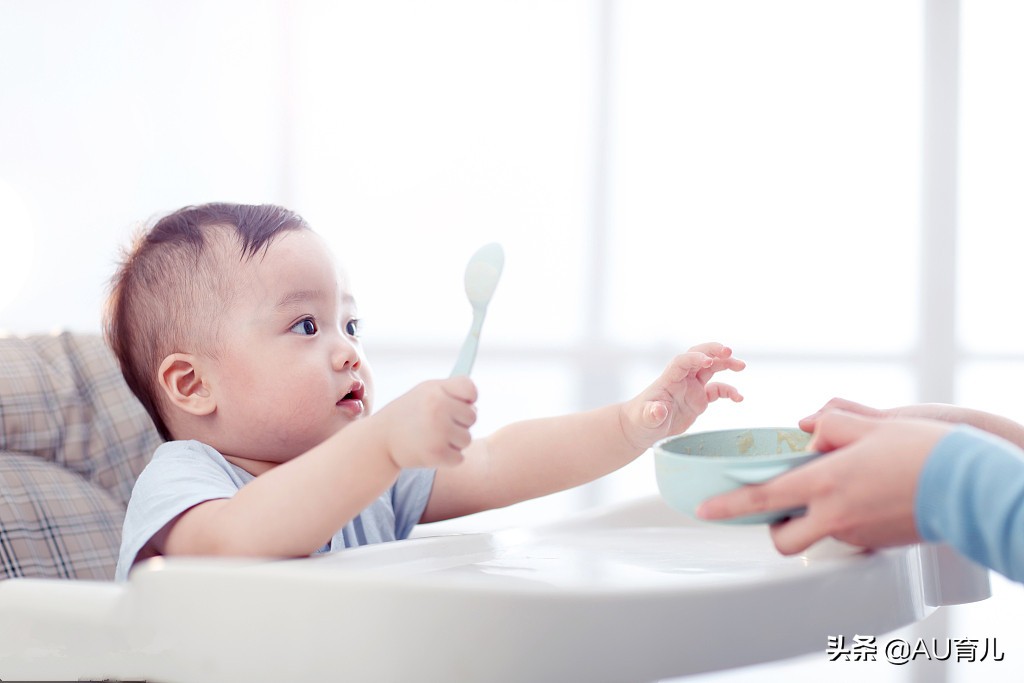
369, 389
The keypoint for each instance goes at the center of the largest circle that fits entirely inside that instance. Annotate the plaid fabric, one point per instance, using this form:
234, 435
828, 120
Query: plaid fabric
55, 524
74, 441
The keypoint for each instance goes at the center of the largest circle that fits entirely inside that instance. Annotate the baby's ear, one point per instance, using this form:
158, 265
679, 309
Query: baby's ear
183, 385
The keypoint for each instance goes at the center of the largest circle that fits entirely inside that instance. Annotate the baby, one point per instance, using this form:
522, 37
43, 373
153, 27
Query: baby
237, 331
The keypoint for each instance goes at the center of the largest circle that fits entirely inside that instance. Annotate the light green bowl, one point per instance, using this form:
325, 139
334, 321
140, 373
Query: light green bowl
694, 467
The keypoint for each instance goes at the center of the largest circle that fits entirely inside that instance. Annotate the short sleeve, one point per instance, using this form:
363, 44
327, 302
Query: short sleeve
409, 498
182, 474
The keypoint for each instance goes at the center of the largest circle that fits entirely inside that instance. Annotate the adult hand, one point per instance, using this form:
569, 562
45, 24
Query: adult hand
930, 411
862, 492
809, 423
990, 422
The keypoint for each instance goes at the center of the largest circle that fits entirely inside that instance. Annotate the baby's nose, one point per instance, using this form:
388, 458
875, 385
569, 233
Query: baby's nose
344, 356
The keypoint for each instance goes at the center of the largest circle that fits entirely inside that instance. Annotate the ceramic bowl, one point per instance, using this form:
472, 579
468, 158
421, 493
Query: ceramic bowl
694, 467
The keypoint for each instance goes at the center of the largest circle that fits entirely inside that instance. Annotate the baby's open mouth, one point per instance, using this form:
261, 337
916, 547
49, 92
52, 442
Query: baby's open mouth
355, 393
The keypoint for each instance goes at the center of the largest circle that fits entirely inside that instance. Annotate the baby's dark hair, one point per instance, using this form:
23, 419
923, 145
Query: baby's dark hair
171, 288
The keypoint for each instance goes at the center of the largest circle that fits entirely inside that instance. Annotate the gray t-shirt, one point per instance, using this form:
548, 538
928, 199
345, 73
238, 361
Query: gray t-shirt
185, 473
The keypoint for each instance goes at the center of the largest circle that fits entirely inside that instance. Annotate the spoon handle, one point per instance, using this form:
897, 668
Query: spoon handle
464, 363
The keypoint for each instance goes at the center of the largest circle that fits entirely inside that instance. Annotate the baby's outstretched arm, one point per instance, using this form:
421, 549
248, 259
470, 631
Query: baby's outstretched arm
294, 508
536, 457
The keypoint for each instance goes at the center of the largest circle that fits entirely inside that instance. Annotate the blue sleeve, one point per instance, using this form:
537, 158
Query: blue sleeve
409, 498
181, 474
971, 495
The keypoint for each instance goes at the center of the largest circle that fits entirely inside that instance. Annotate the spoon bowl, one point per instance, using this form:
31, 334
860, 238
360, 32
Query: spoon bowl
482, 275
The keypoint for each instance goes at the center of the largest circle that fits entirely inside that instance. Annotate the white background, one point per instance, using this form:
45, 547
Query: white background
661, 173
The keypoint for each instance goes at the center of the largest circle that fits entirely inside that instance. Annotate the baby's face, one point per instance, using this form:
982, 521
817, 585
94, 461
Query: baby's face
290, 371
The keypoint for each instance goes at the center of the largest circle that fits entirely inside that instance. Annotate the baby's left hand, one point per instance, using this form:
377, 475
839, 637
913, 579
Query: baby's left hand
673, 402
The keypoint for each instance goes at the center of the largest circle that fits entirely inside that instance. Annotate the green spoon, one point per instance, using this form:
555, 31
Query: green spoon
482, 274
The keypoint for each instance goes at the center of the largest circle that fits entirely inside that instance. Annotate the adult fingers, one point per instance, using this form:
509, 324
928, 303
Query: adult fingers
808, 423
838, 428
786, 491
797, 534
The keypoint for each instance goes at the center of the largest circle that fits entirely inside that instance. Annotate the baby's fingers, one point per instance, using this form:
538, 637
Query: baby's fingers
464, 415
719, 364
717, 390
449, 444
720, 354
712, 349
461, 388
686, 365
458, 439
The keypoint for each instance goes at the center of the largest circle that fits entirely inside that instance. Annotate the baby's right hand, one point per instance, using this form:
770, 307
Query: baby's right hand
429, 425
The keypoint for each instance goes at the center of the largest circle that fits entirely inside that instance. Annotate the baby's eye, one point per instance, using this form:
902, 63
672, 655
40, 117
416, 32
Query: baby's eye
352, 327
304, 326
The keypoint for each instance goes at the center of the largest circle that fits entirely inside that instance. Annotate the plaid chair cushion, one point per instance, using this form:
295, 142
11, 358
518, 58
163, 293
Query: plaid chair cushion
73, 440
55, 524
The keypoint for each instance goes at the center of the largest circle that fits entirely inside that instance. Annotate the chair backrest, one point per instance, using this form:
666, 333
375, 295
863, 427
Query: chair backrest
73, 439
